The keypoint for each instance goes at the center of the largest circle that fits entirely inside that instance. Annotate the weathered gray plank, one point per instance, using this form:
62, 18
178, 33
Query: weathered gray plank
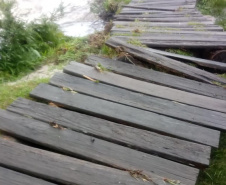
146, 37
164, 62
124, 114
140, 118
93, 149
163, 19
157, 77
168, 26
159, 31
78, 69
201, 62
184, 112
153, 8
9, 177
162, 29
60, 168
177, 43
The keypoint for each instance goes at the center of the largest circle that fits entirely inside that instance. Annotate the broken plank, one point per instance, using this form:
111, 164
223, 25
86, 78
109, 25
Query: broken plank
164, 62
92, 149
199, 116
9, 177
59, 168
201, 62
126, 114
157, 77
78, 69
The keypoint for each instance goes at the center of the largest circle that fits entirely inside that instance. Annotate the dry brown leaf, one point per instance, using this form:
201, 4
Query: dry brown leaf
55, 125
53, 104
89, 78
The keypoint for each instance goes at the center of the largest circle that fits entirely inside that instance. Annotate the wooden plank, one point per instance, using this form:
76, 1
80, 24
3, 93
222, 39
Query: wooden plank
153, 8
164, 62
202, 26
162, 28
170, 36
164, 19
201, 62
156, 77
154, 12
59, 168
92, 149
177, 43
120, 16
105, 130
9, 177
170, 32
126, 114
78, 69
184, 112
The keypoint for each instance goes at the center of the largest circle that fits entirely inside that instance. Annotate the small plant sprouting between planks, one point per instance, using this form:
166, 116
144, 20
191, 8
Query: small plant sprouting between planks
181, 52
136, 42
101, 68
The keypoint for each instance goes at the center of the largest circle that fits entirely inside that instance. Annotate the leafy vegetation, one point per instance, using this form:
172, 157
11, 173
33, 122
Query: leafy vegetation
215, 174
217, 8
107, 8
23, 46
136, 42
180, 52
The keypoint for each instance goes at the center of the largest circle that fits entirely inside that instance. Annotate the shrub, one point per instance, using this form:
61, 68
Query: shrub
22, 45
107, 8
216, 8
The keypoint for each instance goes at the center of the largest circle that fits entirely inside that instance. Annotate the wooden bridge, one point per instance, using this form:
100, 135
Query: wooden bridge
111, 122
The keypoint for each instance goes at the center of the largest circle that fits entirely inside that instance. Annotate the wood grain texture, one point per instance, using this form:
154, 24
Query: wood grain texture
78, 69
9, 177
157, 77
199, 116
60, 168
123, 114
165, 63
201, 62
114, 111
174, 43
162, 30
93, 149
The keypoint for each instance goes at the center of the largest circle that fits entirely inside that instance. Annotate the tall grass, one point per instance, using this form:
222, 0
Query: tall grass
217, 8
23, 45
107, 8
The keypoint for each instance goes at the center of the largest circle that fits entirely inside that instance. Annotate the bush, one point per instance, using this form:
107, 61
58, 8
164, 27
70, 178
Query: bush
22, 45
216, 8
107, 8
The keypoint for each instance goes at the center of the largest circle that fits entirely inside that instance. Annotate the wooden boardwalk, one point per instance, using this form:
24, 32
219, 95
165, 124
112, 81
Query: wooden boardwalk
173, 23
106, 122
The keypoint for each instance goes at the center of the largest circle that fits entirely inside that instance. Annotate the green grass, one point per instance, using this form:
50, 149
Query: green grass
180, 52
216, 173
215, 8
9, 93
136, 42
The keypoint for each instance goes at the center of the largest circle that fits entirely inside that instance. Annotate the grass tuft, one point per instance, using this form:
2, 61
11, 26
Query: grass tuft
9, 93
